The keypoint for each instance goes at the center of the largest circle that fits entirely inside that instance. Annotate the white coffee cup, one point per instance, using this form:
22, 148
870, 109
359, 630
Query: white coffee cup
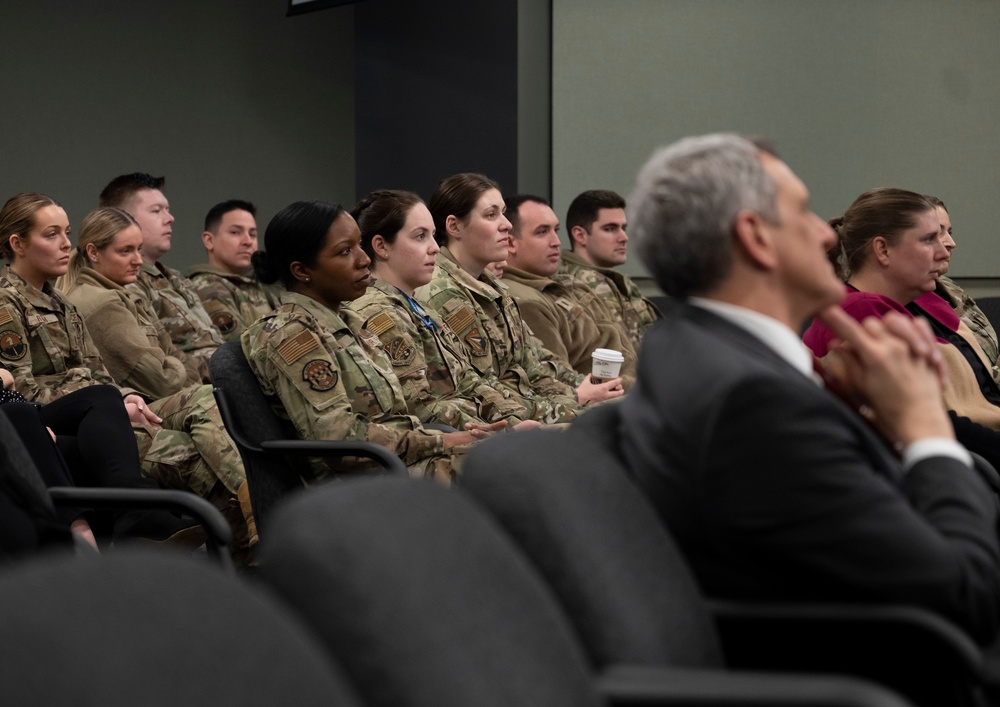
607, 364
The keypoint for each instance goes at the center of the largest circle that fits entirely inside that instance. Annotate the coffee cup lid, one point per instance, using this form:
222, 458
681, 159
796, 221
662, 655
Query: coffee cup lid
608, 355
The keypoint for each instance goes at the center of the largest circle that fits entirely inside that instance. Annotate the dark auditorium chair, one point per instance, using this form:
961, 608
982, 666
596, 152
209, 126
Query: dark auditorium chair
265, 444
154, 630
567, 501
424, 601
20, 477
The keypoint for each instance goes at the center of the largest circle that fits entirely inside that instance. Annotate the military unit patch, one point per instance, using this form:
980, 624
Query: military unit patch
400, 352
12, 345
224, 322
476, 342
297, 347
379, 323
460, 320
320, 374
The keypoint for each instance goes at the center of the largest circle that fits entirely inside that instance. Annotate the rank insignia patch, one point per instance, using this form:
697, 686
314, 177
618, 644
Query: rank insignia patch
476, 343
400, 352
320, 375
12, 345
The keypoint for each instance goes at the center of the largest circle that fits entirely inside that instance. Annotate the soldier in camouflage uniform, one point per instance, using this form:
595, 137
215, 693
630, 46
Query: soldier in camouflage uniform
171, 296
232, 296
48, 349
963, 303
468, 217
397, 233
141, 356
596, 224
569, 319
328, 383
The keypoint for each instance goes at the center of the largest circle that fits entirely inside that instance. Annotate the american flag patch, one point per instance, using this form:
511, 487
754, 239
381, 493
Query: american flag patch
297, 347
460, 320
379, 323
5, 316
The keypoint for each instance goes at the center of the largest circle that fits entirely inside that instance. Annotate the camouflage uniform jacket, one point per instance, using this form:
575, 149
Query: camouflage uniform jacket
568, 327
486, 320
618, 291
439, 383
44, 342
331, 385
134, 345
970, 313
173, 300
46, 346
233, 302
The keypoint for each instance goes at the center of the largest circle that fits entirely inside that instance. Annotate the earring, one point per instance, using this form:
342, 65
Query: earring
308, 280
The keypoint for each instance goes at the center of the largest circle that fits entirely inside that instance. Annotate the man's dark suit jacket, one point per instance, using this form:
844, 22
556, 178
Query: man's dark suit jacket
777, 490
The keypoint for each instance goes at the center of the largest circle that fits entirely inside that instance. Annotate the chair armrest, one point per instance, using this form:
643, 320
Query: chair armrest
215, 525
624, 686
912, 650
326, 448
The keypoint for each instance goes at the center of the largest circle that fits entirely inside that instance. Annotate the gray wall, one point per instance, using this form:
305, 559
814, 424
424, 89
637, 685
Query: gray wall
856, 94
227, 98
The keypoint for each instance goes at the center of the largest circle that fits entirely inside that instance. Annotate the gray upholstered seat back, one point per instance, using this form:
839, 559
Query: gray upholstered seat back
422, 598
566, 499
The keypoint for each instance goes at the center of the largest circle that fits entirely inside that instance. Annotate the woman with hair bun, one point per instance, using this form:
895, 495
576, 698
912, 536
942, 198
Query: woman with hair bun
890, 252
327, 381
440, 385
468, 211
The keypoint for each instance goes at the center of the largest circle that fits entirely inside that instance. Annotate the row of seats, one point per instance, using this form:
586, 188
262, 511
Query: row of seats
543, 578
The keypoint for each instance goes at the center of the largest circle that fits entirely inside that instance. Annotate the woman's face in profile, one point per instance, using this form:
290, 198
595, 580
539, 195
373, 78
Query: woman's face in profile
918, 257
340, 272
486, 233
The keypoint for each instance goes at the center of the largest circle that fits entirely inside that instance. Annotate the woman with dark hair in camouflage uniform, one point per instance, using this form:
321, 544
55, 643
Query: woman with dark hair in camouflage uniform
328, 382
439, 382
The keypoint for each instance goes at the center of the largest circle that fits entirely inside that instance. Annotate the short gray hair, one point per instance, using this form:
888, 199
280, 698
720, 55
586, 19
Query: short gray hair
686, 199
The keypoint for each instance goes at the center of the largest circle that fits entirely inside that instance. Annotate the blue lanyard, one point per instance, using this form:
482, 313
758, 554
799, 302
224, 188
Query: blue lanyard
420, 312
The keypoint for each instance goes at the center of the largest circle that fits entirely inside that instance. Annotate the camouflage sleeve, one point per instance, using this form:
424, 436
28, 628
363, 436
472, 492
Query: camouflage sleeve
220, 306
17, 356
130, 357
426, 399
306, 378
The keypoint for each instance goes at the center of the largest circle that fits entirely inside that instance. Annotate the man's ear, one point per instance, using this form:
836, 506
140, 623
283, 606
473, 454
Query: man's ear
579, 235
880, 249
208, 240
756, 239
512, 244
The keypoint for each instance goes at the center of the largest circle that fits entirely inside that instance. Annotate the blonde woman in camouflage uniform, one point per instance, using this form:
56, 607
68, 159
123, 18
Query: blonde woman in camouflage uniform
440, 385
328, 382
139, 355
170, 295
468, 212
46, 347
232, 296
